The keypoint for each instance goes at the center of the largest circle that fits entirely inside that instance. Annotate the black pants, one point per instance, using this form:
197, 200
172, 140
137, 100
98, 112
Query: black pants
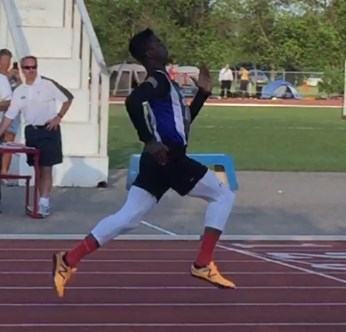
244, 87
226, 87
47, 141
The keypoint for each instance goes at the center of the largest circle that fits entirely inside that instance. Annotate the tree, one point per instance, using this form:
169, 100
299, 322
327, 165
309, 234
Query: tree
289, 34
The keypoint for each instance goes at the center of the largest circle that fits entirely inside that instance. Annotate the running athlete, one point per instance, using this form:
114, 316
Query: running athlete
162, 119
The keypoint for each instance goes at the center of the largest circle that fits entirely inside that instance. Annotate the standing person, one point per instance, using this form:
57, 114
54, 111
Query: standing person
5, 97
244, 81
14, 80
37, 100
163, 165
225, 79
172, 72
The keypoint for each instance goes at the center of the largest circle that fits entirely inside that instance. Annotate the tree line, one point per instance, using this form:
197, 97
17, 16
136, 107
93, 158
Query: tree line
298, 35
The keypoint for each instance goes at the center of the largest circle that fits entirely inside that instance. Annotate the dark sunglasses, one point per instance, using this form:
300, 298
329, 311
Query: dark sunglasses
29, 67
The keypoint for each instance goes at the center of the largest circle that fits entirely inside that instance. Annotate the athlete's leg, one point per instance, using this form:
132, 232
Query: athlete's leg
138, 202
221, 200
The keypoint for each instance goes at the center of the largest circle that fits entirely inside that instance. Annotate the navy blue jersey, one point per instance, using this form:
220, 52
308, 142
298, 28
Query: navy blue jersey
159, 111
169, 116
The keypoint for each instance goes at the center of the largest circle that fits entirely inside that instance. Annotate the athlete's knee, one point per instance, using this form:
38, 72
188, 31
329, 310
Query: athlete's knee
225, 195
138, 203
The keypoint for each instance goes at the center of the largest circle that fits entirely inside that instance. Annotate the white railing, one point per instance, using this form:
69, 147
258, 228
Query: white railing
99, 89
12, 17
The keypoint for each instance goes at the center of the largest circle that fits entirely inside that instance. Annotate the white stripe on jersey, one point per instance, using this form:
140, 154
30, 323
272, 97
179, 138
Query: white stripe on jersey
178, 110
153, 122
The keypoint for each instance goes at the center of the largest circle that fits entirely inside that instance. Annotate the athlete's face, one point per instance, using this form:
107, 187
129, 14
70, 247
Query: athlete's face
157, 50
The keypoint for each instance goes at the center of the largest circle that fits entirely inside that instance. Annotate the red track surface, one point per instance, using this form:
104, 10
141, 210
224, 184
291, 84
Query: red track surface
293, 102
144, 286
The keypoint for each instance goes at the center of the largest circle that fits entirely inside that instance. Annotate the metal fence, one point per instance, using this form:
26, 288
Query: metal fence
305, 82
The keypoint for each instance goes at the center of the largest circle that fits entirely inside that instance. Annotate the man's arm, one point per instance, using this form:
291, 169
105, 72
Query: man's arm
4, 105
63, 95
204, 84
198, 102
5, 93
64, 108
12, 111
155, 86
6, 122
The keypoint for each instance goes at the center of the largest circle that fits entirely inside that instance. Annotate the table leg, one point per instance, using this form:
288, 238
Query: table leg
36, 185
27, 193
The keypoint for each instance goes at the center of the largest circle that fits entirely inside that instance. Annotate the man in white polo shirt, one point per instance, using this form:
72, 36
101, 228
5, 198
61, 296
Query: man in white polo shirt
37, 100
225, 79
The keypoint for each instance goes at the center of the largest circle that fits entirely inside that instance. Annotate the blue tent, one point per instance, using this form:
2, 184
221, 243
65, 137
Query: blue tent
280, 89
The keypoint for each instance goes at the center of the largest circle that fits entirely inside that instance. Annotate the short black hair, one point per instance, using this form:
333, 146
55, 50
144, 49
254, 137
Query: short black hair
5, 51
138, 44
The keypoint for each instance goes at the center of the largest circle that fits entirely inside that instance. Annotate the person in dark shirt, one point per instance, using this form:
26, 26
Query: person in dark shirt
162, 120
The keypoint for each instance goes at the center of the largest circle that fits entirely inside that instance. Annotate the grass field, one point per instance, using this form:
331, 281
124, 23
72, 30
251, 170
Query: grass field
272, 139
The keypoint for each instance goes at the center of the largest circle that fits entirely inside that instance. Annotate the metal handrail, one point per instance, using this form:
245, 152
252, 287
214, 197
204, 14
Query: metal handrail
94, 44
18, 38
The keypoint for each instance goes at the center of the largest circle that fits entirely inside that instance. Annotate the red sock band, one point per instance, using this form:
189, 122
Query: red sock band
205, 255
85, 247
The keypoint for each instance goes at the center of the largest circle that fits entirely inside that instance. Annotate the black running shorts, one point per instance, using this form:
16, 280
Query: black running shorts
181, 174
47, 141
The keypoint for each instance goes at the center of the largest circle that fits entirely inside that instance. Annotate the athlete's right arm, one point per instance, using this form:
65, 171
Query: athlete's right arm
156, 85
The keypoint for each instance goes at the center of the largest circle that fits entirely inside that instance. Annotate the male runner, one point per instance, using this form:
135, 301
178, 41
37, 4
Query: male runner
163, 165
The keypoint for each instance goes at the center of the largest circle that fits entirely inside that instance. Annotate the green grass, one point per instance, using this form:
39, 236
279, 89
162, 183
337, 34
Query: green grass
273, 139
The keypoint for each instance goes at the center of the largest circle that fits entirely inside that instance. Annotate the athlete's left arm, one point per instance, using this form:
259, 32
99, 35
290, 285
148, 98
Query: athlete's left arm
204, 84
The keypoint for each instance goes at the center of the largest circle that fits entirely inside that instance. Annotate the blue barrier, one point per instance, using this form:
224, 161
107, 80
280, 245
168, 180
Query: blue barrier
221, 163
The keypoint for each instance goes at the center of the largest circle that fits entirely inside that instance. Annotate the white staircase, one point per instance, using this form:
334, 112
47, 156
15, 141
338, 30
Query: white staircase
60, 34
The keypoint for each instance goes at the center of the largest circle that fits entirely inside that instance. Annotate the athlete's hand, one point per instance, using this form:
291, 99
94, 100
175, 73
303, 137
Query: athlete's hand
204, 80
158, 150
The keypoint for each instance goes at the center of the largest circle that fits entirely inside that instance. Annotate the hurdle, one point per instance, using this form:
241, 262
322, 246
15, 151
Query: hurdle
222, 164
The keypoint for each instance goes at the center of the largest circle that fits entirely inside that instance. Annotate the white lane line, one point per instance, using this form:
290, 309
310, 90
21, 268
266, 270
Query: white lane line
152, 273
302, 250
167, 261
211, 325
101, 250
291, 266
160, 229
183, 304
264, 245
136, 288
178, 237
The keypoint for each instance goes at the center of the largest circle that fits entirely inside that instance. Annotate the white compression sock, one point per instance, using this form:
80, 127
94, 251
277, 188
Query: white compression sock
138, 203
220, 198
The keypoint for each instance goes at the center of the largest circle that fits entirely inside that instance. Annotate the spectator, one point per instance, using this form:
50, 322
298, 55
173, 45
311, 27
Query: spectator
225, 79
36, 99
244, 81
14, 80
172, 72
5, 97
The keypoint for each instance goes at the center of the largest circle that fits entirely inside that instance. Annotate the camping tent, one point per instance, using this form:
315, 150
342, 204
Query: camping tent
124, 77
280, 89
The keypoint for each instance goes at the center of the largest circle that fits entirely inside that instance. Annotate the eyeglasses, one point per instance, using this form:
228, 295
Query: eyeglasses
29, 67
